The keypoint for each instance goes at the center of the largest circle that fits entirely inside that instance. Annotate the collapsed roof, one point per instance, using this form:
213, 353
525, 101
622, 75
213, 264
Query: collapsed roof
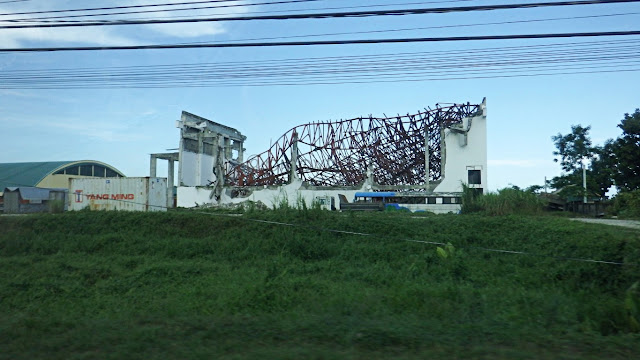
340, 153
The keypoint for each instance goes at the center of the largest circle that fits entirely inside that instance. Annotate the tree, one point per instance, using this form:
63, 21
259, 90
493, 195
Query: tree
572, 150
626, 153
601, 170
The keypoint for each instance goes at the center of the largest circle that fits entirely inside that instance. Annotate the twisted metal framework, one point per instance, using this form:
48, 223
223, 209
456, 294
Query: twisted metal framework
339, 153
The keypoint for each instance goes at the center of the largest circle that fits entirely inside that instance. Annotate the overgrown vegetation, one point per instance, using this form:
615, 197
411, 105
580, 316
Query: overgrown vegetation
617, 162
196, 285
627, 204
507, 201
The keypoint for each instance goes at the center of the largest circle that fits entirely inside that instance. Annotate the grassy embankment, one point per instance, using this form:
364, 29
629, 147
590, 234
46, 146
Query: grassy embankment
184, 285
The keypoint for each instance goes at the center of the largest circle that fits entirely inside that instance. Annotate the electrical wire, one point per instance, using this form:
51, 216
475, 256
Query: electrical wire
476, 57
419, 28
400, 78
347, 65
40, 19
326, 42
366, 13
564, 45
130, 7
205, 80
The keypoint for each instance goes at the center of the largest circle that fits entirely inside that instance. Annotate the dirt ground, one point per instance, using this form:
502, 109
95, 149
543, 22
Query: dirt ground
633, 224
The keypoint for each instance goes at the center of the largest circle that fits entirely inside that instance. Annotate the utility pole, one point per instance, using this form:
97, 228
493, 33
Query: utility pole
584, 182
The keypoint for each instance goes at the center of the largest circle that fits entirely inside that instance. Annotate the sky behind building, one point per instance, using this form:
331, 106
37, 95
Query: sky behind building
534, 88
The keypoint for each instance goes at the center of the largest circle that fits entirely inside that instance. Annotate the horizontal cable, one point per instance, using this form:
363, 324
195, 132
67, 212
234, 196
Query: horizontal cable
403, 58
40, 19
501, 61
365, 13
129, 7
48, 18
422, 28
567, 46
365, 79
327, 42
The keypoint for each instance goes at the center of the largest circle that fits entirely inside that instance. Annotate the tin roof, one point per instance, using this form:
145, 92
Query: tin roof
31, 173
32, 193
27, 173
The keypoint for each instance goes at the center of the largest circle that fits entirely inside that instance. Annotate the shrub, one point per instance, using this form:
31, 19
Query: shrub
503, 202
627, 204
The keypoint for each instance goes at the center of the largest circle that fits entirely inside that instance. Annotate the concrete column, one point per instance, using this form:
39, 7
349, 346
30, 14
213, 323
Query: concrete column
293, 174
153, 166
427, 155
170, 185
241, 152
228, 153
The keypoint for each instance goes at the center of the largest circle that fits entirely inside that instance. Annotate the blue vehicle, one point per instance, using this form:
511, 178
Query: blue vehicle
368, 201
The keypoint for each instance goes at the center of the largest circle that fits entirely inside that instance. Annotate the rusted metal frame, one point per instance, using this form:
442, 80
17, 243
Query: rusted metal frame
350, 131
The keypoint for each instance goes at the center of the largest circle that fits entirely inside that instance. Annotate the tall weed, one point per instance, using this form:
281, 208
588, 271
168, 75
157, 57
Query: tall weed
505, 201
627, 204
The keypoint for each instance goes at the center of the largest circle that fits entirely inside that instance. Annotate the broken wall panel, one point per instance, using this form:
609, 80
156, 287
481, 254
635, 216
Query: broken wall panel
206, 147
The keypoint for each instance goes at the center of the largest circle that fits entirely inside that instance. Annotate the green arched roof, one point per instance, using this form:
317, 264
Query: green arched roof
31, 173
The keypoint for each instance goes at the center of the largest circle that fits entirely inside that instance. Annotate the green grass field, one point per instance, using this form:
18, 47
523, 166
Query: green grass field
117, 285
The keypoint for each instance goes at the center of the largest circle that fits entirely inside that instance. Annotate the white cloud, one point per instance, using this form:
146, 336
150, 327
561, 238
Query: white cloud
103, 131
12, 38
111, 35
526, 163
17, 93
188, 30
109, 131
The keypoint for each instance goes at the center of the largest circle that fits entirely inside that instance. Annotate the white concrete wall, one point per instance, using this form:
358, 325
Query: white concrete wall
193, 196
197, 169
434, 208
459, 157
197, 196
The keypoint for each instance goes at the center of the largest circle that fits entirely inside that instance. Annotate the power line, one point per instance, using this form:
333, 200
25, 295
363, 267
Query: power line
327, 42
569, 45
347, 73
155, 11
200, 8
397, 78
420, 60
421, 28
366, 13
128, 7
505, 52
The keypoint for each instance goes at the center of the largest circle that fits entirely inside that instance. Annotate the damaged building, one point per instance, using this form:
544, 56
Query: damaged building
416, 161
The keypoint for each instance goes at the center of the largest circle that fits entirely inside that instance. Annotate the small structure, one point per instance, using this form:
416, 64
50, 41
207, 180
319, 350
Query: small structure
27, 200
171, 159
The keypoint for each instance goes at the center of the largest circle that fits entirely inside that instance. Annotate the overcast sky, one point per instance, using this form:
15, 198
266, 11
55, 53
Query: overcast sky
122, 126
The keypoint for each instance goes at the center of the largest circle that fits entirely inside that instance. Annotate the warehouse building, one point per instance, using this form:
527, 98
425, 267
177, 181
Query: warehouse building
51, 174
